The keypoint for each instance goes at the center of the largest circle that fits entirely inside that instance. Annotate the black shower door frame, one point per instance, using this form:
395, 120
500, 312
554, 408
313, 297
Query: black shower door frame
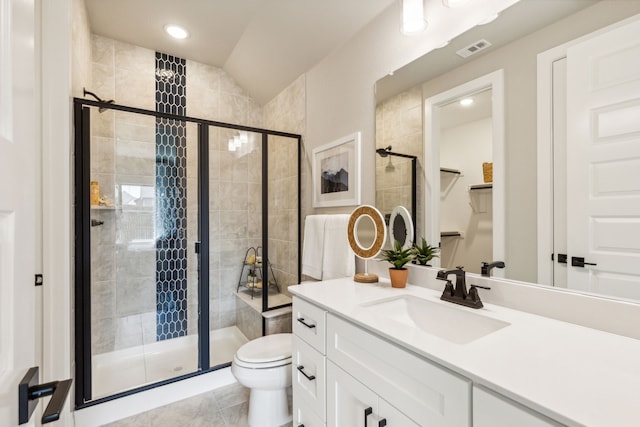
82, 217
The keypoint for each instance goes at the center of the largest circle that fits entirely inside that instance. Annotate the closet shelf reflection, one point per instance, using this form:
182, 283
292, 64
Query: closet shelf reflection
481, 187
449, 170
450, 234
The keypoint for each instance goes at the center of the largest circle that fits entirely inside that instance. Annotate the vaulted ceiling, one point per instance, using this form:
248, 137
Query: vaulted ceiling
263, 44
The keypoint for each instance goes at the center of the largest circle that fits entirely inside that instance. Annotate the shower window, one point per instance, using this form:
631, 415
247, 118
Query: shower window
166, 211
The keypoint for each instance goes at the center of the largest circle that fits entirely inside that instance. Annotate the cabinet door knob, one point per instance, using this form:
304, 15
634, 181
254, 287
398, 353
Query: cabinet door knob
301, 320
309, 377
368, 411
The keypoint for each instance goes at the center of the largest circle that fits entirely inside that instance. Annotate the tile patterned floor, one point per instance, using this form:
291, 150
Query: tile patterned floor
224, 407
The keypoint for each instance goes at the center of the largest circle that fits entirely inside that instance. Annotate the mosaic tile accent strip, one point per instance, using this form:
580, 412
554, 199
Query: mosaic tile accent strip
171, 199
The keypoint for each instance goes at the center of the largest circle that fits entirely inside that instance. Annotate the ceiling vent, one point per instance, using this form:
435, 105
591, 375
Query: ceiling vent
473, 48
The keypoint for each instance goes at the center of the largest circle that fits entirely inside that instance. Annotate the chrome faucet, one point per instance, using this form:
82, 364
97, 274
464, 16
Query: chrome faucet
459, 294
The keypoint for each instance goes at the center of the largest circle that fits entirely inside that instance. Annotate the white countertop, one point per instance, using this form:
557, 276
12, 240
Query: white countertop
573, 374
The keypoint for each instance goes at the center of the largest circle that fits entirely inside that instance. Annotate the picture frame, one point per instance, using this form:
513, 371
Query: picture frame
336, 169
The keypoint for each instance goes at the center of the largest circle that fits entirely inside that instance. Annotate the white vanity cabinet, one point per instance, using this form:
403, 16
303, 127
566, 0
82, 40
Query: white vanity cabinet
347, 376
309, 364
424, 392
351, 404
493, 410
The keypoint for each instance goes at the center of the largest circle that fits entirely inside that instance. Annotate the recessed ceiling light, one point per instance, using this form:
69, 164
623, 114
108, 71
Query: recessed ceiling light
466, 102
176, 32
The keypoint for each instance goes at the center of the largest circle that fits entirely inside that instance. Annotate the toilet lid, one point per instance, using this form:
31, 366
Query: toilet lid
265, 349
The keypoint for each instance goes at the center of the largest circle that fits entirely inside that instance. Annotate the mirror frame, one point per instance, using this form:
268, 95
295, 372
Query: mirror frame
495, 82
380, 231
402, 212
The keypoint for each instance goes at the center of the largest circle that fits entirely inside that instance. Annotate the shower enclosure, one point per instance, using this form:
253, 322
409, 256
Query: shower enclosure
396, 176
166, 208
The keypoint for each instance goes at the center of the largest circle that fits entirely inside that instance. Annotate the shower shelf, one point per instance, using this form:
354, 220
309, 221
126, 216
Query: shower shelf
253, 267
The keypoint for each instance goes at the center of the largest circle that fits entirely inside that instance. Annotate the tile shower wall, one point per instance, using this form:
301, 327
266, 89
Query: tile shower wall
123, 149
399, 124
286, 112
171, 199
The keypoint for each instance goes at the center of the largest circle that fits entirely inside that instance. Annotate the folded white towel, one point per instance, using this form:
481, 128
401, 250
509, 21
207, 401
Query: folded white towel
338, 259
312, 245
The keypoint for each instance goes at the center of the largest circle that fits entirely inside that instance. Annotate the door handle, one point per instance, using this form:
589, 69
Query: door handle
309, 377
29, 391
579, 262
368, 411
382, 422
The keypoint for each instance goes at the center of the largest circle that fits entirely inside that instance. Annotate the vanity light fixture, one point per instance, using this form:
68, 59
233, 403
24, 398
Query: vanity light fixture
454, 3
413, 20
231, 146
176, 31
466, 102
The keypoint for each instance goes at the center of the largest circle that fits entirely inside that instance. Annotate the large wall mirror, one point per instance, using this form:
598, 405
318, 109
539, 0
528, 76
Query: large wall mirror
511, 43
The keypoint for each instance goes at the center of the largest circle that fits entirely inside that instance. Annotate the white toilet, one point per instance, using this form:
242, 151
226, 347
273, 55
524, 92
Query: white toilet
264, 366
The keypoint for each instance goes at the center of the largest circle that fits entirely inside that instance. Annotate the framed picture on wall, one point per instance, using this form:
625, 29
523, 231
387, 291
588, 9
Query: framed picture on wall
336, 173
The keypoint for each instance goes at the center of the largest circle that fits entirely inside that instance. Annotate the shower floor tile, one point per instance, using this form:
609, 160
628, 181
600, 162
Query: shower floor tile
123, 370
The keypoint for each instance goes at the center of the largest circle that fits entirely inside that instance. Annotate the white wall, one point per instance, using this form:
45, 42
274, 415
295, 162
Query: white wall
340, 89
340, 100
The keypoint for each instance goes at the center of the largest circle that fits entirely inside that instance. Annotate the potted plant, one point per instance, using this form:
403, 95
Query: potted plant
398, 257
424, 252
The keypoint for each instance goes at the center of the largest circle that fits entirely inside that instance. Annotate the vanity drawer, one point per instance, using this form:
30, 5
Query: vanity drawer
420, 389
309, 323
308, 376
304, 416
493, 410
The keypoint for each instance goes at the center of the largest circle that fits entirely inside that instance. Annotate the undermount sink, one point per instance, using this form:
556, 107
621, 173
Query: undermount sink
451, 323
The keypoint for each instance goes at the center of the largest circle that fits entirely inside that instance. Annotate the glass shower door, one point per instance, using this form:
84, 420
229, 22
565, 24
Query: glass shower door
144, 213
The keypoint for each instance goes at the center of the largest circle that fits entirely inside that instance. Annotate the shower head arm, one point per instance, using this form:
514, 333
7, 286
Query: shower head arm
86, 92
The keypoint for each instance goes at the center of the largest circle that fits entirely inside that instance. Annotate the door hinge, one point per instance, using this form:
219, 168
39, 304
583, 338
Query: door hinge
39, 280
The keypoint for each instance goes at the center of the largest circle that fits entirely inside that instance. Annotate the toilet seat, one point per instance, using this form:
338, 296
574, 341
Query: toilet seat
265, 352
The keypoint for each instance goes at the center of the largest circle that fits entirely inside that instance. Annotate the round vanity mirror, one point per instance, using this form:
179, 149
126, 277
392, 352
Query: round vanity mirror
366, 233
401, 227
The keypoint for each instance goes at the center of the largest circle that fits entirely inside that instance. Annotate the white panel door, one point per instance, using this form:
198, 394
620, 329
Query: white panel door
603, 162
349, 402
559, 68
20, 333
